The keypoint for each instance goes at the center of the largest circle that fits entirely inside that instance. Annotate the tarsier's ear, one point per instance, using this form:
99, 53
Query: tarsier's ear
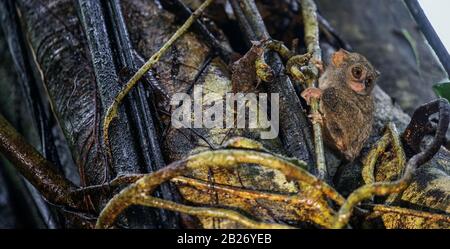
339, 57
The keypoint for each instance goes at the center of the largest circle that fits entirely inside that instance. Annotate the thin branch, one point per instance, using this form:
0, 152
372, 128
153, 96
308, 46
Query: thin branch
149, 77
150, 201
311, 26
254, 19
35, 168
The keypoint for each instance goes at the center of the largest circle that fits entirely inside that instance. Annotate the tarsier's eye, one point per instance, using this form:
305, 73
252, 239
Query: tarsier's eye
357, 72
369, 81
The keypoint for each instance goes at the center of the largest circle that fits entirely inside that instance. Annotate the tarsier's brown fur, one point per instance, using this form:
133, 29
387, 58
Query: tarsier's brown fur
346, 102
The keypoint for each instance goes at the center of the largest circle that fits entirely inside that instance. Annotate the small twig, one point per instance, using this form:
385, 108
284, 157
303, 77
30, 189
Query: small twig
225, 158
112, 111
397, 144
400, 156
244, 193
311, 26
203, 138
385, 188
205, 64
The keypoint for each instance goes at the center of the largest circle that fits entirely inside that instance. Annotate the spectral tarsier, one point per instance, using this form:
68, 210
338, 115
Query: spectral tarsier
345, 102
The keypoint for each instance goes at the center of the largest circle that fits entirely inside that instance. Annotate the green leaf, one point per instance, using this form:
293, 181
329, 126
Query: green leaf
442, 90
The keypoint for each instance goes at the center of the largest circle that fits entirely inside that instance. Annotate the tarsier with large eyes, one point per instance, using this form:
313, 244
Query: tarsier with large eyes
345, 102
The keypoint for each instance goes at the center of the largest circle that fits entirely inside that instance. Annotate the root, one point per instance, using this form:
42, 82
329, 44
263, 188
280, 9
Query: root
226, 158
206, 212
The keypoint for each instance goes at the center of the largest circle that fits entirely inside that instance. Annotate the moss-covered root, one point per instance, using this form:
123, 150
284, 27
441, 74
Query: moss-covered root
226, 158
309, 207
207, 212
